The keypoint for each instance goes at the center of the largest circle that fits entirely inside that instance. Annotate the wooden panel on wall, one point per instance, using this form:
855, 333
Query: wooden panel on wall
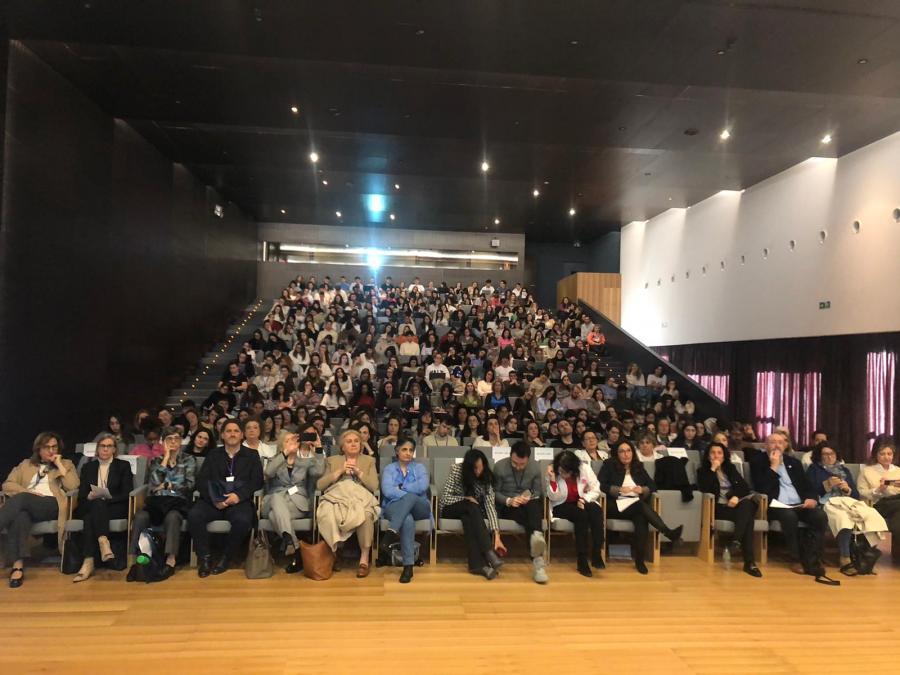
601, 291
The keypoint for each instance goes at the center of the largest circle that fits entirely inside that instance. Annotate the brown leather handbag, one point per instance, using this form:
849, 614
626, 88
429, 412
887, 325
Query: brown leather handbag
318, 560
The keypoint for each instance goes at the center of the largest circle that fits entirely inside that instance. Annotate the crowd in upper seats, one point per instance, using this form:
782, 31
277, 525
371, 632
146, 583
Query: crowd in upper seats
434, 365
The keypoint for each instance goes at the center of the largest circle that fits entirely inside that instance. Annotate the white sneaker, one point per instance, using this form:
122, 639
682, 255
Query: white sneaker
539, 574
538, 545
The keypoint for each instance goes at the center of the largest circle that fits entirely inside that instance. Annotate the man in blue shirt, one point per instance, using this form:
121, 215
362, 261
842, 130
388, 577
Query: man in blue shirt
791, 501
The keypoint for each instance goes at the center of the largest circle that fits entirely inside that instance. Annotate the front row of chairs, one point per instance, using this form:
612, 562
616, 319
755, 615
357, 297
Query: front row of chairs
696, 516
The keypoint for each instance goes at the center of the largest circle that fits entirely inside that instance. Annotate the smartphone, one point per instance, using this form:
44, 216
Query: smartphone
309, 437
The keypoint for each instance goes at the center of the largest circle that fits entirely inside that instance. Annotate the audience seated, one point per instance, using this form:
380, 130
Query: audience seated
733, 500
629, 487
227, 481
404, 493
468, 495
348, 485
439, 365
170, 487
36, 491
839, 498
879, 482
105, 485
298, 460
574, 493
792, 501
519, 496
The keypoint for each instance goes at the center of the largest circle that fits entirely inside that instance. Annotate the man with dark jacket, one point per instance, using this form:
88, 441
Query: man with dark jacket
791, 501
226, 483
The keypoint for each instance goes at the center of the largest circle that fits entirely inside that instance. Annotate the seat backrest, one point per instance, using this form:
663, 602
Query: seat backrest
694, 456
441, 466
745, 466
445, 451
854, 470
650, 468
596, 464
138, 468
737, 456
691, 471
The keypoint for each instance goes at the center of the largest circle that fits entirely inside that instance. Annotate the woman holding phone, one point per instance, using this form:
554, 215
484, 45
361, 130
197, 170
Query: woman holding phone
298, 459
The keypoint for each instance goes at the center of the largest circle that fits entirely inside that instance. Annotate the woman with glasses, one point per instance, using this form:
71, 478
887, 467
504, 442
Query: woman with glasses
36, 491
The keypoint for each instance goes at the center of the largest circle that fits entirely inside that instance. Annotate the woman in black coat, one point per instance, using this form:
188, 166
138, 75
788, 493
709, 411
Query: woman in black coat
720, 478
96, 511
628, 488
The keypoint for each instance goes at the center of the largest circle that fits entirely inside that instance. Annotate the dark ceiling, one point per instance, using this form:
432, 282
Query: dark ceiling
587, 101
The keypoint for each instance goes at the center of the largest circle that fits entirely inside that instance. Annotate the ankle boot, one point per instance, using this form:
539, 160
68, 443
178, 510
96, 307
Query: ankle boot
407, 574
296, 564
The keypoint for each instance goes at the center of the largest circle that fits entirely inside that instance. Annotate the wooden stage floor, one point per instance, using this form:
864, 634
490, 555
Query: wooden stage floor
685, 617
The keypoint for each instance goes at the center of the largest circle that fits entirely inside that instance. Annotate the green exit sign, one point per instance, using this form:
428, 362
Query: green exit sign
826, 304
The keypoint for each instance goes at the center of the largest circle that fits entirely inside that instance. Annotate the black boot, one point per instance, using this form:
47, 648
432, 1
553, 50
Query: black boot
640, 567
203, 566
675, 535
287, 544
296, 565
221, 566
597, 559
583, 568
406, 575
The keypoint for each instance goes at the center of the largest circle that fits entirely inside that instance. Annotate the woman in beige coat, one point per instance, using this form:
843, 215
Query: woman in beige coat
349, 483
35, 492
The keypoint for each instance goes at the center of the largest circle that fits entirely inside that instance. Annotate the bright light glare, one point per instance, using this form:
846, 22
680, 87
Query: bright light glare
314, 157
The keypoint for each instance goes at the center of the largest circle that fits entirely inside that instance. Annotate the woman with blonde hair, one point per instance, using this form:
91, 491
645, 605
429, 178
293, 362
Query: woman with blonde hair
348, 486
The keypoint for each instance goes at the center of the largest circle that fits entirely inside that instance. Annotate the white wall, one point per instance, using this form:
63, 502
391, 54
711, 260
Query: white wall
779, 296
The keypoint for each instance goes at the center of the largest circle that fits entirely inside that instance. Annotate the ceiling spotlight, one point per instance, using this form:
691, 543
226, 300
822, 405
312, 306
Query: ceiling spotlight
295, 109
314, 157
725, 135
396, 186
337, 213
862, 61
324, 182
485, 167
826, 139
546, 182
572, 211
496, 221
393, 217
283, 211
536, 192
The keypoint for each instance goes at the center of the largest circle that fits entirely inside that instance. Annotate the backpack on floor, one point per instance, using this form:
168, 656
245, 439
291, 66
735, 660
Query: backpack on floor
150, 564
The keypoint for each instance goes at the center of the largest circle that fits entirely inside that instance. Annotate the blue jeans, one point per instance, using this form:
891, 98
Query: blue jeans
403, 515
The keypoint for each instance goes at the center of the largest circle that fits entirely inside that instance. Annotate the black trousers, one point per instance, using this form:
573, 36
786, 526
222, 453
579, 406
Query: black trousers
790, 520
475, 532
528, 515
642, 515
586, 520
17, 516
241, 516
742, 516
96, 514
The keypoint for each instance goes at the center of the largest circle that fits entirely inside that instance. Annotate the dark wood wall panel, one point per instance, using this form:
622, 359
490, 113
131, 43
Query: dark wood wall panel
116, 274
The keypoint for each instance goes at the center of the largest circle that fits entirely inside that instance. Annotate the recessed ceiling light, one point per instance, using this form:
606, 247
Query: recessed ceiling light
337, 213
393, 217
536, 193
485, 167
725, 135
324, 182
295, 109
496, 221
283, 211
421, 31
720, 52
572, 211
670, 199
314, 157
574, 43
826, 139
546, 182
396, 186
863, 61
